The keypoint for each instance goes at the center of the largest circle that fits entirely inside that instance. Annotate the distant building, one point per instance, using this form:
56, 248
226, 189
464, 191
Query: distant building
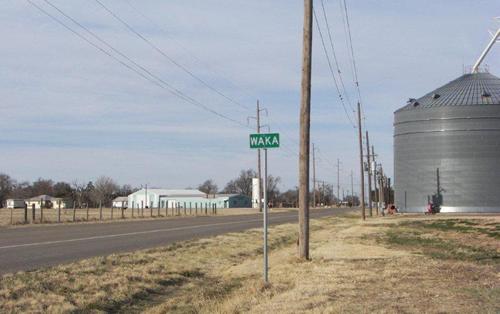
14, 203
163, 198
120, 202
48, 201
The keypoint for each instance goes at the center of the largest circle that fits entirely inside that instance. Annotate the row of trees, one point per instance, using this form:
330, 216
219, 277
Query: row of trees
104, 189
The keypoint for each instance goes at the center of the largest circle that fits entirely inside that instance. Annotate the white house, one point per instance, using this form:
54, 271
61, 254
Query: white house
120, 202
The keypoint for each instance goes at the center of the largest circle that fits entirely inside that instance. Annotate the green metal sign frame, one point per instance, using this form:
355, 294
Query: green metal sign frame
265, 140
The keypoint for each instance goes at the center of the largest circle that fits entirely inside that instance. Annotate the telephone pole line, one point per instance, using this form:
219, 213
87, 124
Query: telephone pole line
361, 160
314, 175
368, 160
305, 128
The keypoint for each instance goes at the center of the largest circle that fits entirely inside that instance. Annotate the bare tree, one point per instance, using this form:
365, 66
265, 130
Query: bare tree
272, 188
43, 186
104, 189
63, 190
242, 184
78, 192
208, 187
6, 185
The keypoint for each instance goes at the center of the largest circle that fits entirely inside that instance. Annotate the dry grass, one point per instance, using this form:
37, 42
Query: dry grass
383, 265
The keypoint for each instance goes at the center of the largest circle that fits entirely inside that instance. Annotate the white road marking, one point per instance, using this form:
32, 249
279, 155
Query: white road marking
132, 233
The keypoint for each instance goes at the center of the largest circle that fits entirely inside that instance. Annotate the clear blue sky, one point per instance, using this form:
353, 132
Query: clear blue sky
70, 112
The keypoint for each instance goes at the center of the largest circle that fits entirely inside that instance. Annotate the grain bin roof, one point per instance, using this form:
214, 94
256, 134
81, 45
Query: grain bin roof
467, 90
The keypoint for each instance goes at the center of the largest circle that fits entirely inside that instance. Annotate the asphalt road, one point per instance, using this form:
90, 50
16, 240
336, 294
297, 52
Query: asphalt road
29, 248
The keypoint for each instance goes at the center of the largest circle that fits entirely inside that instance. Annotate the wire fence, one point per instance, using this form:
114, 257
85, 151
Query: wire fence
37, 215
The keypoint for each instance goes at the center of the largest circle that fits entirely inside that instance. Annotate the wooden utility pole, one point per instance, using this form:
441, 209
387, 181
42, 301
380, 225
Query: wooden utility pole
361, 160
314, 175
381, 188
338, 181
305, 128
258, 159
376, 194
368, 160
352, 190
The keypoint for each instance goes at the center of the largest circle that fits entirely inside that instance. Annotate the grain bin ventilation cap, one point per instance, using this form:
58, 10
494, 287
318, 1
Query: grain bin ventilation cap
467, 90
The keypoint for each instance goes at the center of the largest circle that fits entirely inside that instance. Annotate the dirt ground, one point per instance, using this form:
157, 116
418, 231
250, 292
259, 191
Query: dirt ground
400, 264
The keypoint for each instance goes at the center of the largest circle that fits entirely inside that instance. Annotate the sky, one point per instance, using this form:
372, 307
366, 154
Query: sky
71, 112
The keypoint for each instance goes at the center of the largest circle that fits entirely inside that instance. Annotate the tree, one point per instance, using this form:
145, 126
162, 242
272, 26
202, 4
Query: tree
208, 187
289, 198
6, 185
21, 190
272, 188
63, 190
78, 192
242, 184
43, 187
104, 189
126, 190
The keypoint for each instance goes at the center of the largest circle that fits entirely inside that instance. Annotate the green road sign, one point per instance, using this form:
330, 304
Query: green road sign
265, 140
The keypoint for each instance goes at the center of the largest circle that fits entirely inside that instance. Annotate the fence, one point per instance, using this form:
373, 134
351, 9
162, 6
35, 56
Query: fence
64, 215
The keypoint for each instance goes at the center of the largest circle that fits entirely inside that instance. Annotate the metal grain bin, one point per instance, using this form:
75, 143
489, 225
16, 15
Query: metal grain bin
447, 147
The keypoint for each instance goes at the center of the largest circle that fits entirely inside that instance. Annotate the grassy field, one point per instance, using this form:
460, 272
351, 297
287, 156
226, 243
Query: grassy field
15, 217
394, 264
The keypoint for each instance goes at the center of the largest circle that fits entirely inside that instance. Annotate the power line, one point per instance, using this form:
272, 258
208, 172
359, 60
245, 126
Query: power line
347, 29
158, 81
284, 134
330, 37
331, 69
173, 61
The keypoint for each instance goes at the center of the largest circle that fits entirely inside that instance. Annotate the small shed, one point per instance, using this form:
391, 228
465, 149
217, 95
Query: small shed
120, 202
14, 203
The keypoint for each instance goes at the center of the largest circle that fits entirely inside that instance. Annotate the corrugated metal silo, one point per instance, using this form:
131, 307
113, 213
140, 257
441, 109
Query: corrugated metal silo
447, 147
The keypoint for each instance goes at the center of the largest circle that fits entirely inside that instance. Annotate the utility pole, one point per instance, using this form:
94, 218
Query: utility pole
368, 160
314, 175
352, 190
259, 167
361, 160
338, 181
376, 194
258, 159
381, 188
305, 128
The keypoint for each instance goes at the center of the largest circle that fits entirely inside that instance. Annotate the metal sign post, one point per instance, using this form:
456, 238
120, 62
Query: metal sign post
265, 141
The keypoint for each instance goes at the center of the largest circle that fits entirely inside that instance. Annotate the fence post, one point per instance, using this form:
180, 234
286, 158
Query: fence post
87, 208
33, 213
184, 208
41, 211
112, 208
190, 208
133, 205
74, 211
25, 213
159, 208
206, 208
12, 215
123, 212
151, 211
215, 208
59, 211
100, 210
196, 208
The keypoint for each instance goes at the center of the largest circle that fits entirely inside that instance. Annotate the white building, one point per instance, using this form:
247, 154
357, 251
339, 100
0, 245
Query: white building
14, 203
120, 202
162, 198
